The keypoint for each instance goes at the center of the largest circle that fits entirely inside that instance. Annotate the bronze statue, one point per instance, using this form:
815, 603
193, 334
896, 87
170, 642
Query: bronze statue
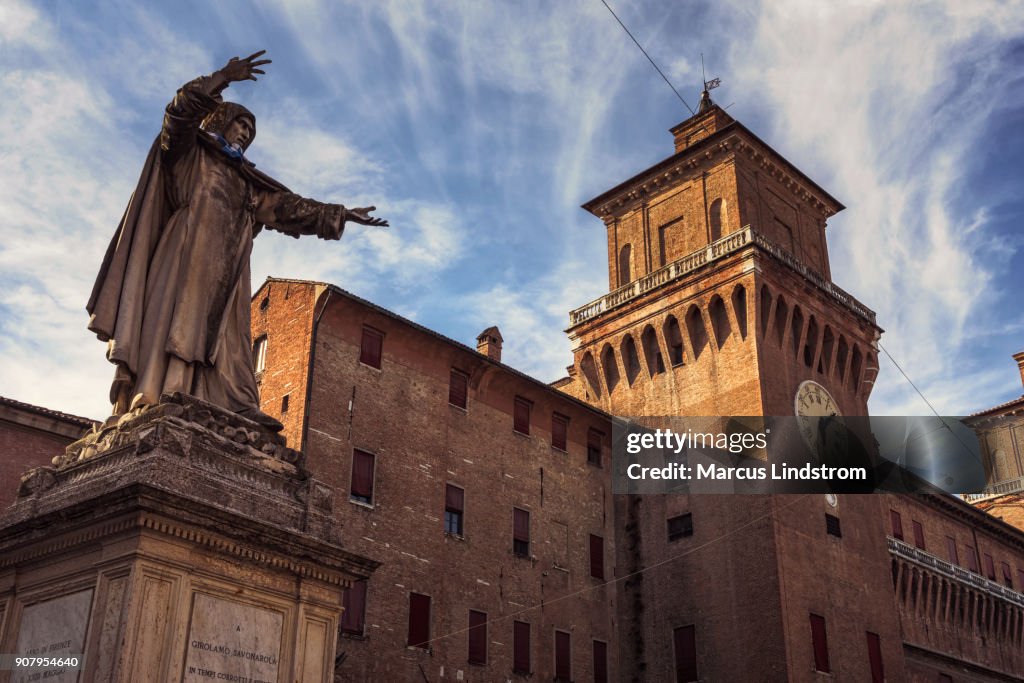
172, 295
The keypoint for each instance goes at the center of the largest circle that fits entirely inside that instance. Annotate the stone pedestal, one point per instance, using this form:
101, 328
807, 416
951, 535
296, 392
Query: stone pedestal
185, 544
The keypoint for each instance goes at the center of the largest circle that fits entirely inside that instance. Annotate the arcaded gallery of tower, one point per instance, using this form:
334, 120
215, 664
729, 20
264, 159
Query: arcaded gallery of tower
486, 494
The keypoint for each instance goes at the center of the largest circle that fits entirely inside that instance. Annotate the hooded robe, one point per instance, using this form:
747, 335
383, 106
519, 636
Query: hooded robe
172, 296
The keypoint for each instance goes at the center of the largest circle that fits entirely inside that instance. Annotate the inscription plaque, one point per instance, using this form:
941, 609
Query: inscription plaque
53, 629
233, 642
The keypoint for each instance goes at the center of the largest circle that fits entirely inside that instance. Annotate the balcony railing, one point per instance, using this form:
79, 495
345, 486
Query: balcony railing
718, 249
1001, 488
952, 571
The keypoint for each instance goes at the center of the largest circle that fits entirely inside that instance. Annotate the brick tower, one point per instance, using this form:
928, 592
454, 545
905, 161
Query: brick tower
721, 303
721, 298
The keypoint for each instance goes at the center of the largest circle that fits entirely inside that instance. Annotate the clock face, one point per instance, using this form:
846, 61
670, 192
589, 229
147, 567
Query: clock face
818, 418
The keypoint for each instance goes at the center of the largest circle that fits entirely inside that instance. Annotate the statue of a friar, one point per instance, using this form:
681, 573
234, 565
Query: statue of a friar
172, 295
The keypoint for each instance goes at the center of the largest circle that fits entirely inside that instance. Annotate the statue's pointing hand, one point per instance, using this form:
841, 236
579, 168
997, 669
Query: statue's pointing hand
243, 69
363, 216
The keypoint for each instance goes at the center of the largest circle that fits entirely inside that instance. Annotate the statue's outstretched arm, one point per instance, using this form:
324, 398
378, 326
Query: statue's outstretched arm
198, 98
294, 215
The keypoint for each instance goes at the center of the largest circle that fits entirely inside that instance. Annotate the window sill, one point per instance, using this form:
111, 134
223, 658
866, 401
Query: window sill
354, 636
525, 435
556, 449
370, 367
464, 411
359, 503
454, 536
595, 465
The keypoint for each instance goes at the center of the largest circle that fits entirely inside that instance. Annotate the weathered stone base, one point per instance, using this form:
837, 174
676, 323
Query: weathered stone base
177, 554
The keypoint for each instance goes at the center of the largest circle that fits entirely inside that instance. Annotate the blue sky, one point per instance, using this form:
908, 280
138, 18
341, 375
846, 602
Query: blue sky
478, 128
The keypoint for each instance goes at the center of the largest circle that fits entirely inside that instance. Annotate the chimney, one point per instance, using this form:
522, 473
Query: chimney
1019, 357
488, 343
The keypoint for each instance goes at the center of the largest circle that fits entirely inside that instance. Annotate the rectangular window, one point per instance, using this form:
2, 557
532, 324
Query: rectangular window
832, 526
918, 534
353, 619
820, 643
972, 559
521, 647
684, 640
259, 355
362, 477
520, 532
596, 556
284, 403
454, 498
897, 525
990, 568
370, 349
521, 422
1020, 579
680, 526
477, 637
600, 661
951, 550
1007, 575
563, 657
419, 621
458, 389
875, 657
594, 441
560, 432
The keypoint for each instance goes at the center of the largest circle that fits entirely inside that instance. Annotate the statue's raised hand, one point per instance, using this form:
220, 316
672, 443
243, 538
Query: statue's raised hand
363, 216
243, 69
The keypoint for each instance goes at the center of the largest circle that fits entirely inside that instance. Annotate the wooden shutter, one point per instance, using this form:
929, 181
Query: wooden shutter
972, 559
521, 647
522, 416
990, 567
419, 620
685, 640
918, 534
951, 549
875, 658
520, 525
362, 474
370, 349
559, 431
1007, 575
354, 616
454, 498
600, 662
820, 643
563, 653
897, 525
477, 637
596, 556
594, 439
458, 389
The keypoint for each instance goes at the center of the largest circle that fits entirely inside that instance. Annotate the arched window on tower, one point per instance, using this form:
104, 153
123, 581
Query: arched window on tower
695, 327
766, 309
828, 344
842, 353
781, 314
719, 218
797, 328
625, 276
589, 368
739, 307
652, 354
811, 345
611, 367
674, 341
630, 359
719, 320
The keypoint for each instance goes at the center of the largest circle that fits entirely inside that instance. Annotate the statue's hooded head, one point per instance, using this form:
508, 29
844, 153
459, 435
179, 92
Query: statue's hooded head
224, 115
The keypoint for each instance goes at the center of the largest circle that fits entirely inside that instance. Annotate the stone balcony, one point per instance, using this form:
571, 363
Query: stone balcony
1000, 488
719, 249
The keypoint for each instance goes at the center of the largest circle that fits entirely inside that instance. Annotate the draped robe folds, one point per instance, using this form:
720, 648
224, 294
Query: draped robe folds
172, 296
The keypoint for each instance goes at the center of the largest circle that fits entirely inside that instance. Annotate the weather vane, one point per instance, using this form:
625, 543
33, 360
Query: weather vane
713, 83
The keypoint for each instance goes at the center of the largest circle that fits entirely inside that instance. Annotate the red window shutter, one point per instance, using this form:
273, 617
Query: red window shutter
685, 640
458, 389
1007, 575
990, 567
594, 439
600, 662
875, 658
897, 525
454, 498
521, 647
362, 474
563, 652
918, 534
419, 620
820, 643
520, 525
522, 416
972, 559
477, 637
1020, 579
951, 549
596, 556
369, 351
354, 616
559, 431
